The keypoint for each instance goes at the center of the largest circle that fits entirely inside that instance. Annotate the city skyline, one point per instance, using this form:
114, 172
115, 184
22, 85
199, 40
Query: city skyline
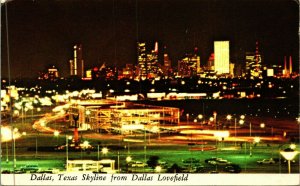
42, 33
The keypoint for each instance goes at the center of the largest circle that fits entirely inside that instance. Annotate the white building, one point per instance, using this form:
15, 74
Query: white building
221, 51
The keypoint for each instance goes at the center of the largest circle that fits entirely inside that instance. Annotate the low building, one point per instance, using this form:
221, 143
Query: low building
113, 115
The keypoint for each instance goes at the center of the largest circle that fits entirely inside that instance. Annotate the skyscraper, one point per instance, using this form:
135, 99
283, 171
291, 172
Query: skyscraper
142, 59
77, 64
189, 65
221, 51
253, 63
148, 62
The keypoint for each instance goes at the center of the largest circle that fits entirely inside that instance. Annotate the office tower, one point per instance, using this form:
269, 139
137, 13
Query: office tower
221, 51
167, 68
148, 66
189, 65
72, 70
77, 64
253, 63
142, 60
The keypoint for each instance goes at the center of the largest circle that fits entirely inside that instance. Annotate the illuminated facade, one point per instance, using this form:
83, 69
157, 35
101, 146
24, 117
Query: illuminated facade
189, 65
77, 64
253, 64
167, 68
148, 66
51, 74
221, 57
142, 60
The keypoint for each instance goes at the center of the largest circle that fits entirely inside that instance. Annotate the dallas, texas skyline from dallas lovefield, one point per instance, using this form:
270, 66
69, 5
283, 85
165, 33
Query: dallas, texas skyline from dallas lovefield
42, 32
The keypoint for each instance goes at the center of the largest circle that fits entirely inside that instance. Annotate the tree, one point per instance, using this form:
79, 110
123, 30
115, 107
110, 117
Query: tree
153, 161
174, 169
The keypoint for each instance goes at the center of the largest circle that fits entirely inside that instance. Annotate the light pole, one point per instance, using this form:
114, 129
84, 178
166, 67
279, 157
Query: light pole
289, 155
6, 152
98, 152
158, 169
67, 149
187, 118
67, 152
56, 134
256, 140
104, 151
215, 119
200, 117
14, 131
36, 143
128, 160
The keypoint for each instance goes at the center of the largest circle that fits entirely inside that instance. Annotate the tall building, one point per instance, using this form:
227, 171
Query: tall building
221, 62
167, 68
148, 66
253, 64
142, 60
189, 65
77, 64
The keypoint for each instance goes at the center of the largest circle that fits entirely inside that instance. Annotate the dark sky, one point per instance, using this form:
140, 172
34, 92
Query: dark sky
43, 32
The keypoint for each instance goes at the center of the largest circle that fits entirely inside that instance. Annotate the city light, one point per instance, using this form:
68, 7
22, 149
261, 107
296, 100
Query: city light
104, 151
228, 117
158, 169
56, 133
200, 116
128, 159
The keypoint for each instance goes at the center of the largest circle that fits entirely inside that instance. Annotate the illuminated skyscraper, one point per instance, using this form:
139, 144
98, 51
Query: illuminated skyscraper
167, 68
77, 64
221, 51
253, 64
142, 59
189, 65
148, 62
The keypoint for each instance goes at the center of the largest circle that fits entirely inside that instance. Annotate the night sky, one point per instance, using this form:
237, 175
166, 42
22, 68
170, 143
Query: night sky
43, 32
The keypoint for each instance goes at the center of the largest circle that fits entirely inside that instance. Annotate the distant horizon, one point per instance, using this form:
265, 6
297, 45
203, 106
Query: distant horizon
42, 33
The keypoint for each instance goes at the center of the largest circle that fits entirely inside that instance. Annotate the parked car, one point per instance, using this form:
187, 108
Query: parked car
191, 160
266, 161
6, 172
50, 171
30, 168
233, 168
138, 164
212, 159
18, 171
219, 162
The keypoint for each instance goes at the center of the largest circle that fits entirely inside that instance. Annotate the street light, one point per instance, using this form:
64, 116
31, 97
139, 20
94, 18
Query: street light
242, 117
128, 160
104, 150
14, 131
200, 116
158, 169
255, 140
56, 134
289, 155
228, 117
